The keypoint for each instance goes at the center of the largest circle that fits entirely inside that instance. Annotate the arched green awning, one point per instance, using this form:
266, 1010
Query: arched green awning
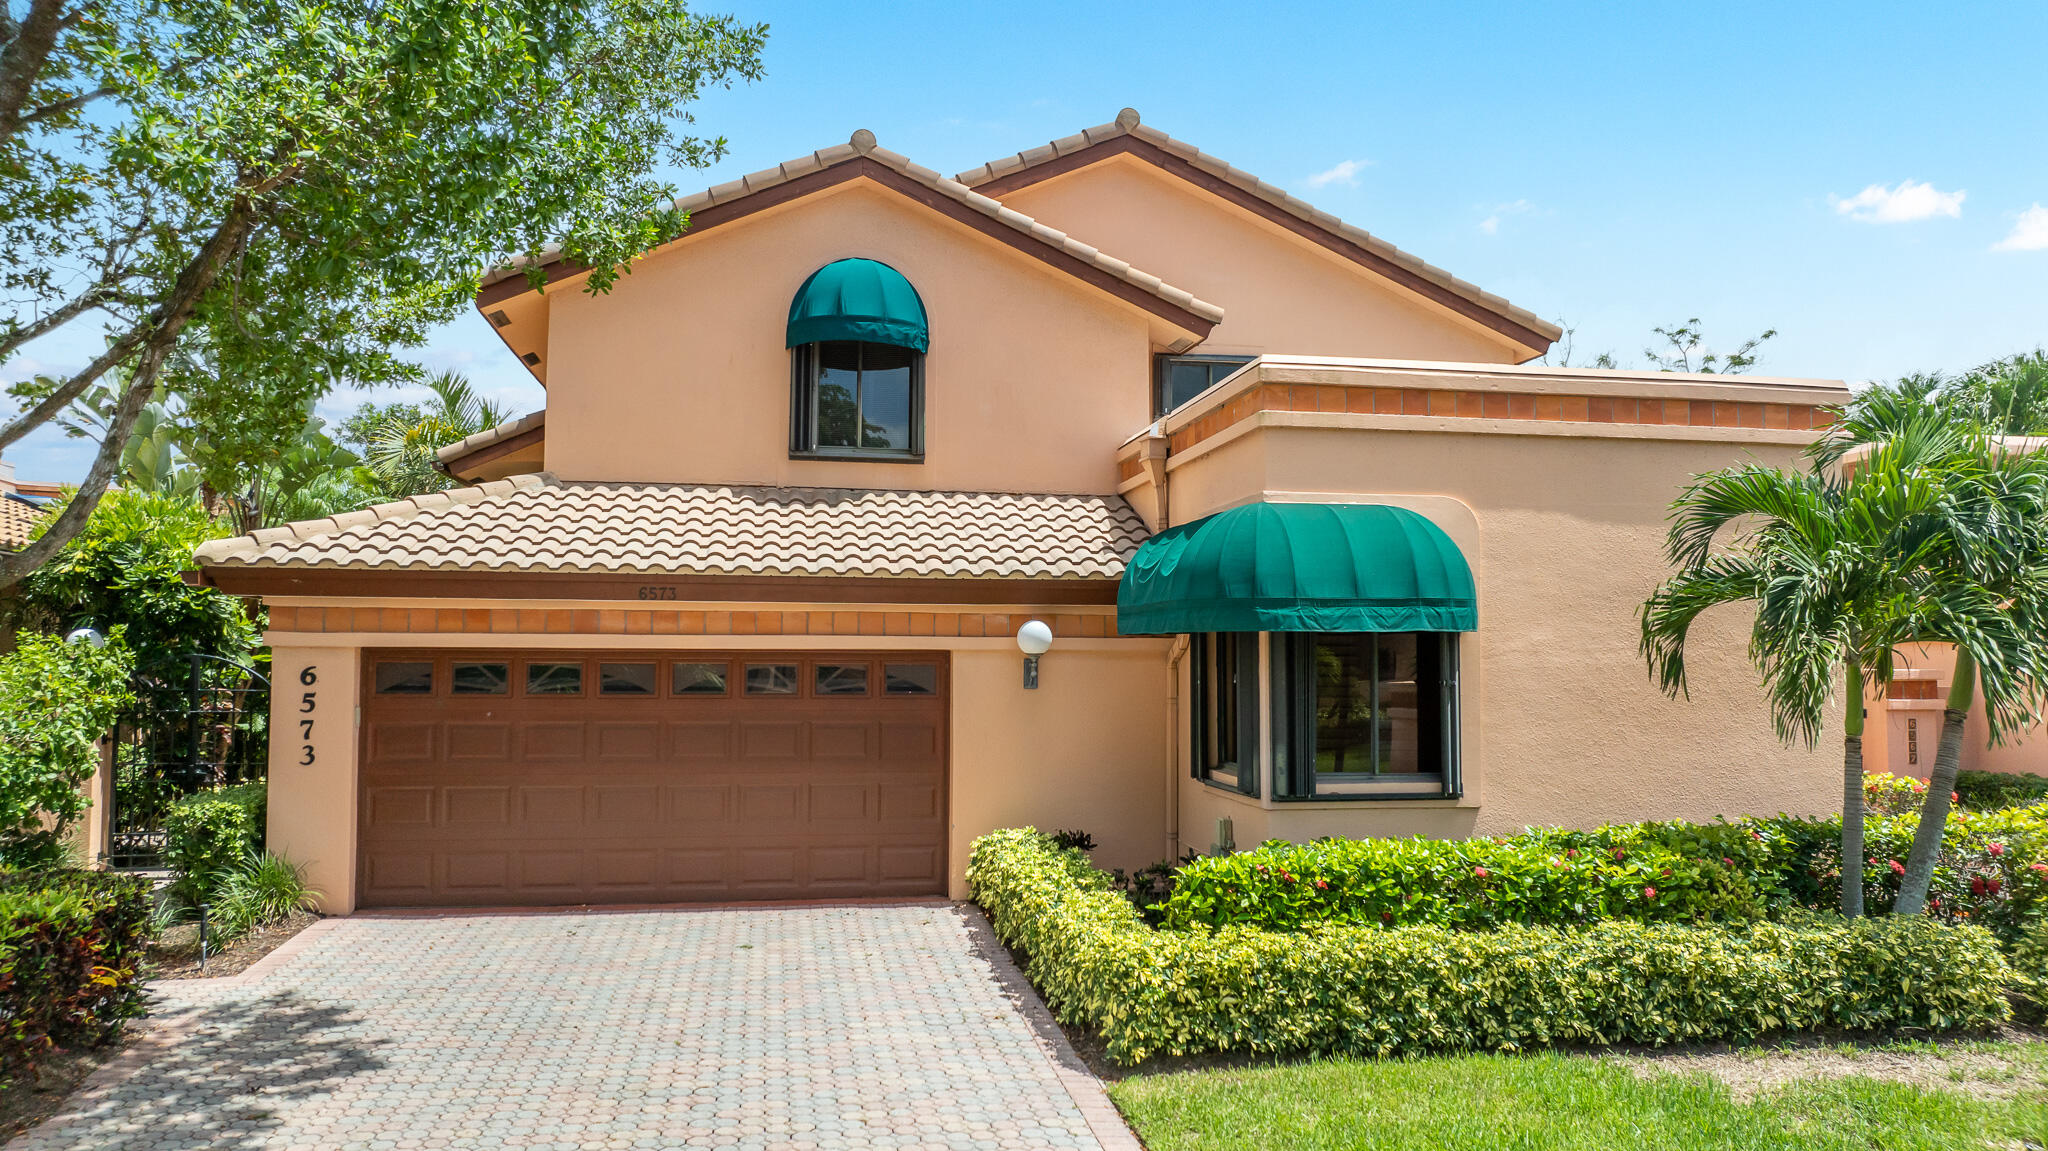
864, 300
1299, 567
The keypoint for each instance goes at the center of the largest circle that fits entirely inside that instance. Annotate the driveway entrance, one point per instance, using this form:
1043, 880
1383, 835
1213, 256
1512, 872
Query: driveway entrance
800, 1027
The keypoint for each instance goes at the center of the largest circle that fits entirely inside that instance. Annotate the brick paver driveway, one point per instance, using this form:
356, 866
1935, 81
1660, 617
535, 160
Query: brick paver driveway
812, 1027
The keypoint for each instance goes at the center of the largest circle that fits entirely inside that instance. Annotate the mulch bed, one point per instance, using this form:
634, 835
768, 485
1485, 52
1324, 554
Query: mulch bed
175, 955
24, 1105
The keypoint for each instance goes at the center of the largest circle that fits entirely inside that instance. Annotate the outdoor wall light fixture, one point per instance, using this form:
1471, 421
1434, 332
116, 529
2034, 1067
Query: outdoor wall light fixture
1034, 639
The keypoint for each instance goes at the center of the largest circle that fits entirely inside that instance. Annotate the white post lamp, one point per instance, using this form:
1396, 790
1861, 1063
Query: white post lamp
87, 636
1034, 639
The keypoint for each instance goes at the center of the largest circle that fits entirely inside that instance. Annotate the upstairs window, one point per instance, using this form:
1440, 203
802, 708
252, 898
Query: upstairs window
858, 399
857, 337
1182, 378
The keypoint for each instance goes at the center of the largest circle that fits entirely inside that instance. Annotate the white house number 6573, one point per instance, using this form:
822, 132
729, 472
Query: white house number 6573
307, 702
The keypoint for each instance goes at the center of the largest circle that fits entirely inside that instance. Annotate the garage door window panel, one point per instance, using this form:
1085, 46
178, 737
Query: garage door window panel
771, 679
554, 679
480, 679
910, 679
405, 678
700, 678
627, 679
838, 679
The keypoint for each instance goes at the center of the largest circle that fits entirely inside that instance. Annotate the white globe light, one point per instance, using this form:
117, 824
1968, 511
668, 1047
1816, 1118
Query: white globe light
86, 635
1034, 638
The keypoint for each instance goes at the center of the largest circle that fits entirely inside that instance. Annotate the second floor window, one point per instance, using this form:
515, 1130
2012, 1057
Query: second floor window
1182, 378
857, 399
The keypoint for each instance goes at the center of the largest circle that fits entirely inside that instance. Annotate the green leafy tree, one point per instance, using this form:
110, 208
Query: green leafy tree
257, 199
1984, 592
402, 446
126, 571
1682, 351
56, 700
1844, 568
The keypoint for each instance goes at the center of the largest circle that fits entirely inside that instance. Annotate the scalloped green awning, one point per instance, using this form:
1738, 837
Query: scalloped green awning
863, 300
1299, 567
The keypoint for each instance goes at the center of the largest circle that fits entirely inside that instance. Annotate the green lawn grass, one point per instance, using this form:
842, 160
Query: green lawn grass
1551, 1102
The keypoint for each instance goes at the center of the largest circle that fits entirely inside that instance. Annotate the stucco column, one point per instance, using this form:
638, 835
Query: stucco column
314, 718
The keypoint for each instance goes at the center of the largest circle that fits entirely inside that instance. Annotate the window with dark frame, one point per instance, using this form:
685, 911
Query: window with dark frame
1182, 378
857, 399
480, 679
405, 679
699, 678
626, 679
1361, 715
554, 679
1224, 684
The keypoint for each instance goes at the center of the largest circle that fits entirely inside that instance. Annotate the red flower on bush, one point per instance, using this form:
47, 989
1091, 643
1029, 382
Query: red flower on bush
1994, 849
1994, 883
1955, 797
1898, 868
1649, 893
1571, 853
1727, 862
1977, 886
1480, 872
1619, 855
2038, 866
1322, 885
1386, 917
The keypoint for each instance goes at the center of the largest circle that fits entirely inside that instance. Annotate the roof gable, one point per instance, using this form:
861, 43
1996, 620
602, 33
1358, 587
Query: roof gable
1127, 136
861, 159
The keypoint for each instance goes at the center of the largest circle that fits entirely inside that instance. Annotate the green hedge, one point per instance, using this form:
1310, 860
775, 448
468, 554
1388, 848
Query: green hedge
210, 834
1655, 873
1994, 790
70, 945
1374, 991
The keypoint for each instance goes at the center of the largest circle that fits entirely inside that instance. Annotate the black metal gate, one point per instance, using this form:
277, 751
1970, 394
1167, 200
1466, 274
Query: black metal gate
198, 721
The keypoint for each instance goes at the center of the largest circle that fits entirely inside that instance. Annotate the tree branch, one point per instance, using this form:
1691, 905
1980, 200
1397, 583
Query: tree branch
16, 335
24, 59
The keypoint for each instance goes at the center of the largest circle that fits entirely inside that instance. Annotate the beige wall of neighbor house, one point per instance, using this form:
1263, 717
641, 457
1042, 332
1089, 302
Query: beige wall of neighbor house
1565, 539
1902, 733
1279, 292
1087, 749
312, 801
680, 374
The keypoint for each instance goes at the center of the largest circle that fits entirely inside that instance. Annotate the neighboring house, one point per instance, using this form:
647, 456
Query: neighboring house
737, 617
23, 503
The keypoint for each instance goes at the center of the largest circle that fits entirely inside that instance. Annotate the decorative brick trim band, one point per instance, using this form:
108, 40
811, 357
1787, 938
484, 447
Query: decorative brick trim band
597, 621
1498, 406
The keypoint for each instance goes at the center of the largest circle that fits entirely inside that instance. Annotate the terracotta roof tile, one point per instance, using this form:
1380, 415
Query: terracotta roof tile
489, 436
18, 519
540, 523
1128, 124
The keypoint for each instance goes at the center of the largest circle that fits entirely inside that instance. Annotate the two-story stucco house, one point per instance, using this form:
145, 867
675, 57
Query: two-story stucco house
737, 616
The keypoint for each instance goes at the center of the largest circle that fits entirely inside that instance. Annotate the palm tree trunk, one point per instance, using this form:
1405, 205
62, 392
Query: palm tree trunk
1940, 785
1852, 794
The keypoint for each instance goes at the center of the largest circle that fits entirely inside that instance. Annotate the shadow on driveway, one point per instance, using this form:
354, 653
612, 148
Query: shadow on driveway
213, 1076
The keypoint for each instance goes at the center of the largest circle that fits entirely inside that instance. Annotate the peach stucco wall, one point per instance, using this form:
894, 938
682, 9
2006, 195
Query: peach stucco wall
680, 373
1570, 729
1279, 292
1087, 749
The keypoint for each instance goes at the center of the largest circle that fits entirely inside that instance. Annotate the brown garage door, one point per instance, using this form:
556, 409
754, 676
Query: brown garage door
564, 778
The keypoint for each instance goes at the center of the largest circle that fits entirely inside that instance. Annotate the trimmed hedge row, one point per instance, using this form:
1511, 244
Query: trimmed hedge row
1375, 991
1993, 790
1652, 873
70, 944
211, 833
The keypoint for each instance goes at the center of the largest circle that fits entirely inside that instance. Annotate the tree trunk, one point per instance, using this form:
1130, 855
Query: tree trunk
1852, 795
1941, 784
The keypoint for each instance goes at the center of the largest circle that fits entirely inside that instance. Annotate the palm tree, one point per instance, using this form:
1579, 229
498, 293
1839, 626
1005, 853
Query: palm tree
402, 452
1843, 566
1984, 588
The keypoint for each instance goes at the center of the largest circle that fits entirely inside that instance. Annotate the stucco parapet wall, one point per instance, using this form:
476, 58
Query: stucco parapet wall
863, 147
1129, 124
538, 523
1506, 399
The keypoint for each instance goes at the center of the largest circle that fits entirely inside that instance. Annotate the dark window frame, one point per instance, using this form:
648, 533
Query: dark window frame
803, 412
1241, 686
1296, 779
1162, 376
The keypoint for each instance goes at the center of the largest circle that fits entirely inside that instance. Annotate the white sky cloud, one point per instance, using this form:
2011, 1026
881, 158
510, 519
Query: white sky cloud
1909, 201
2029, 233
1491, 224
1345, 172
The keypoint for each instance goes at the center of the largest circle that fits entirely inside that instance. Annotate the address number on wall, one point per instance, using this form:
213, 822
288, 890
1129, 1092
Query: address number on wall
309, 703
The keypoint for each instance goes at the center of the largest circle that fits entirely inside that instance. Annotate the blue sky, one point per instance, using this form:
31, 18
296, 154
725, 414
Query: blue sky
1859, 177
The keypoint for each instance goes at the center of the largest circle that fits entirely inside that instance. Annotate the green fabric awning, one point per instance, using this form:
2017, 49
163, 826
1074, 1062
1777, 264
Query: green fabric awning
1298, 567
863, 300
